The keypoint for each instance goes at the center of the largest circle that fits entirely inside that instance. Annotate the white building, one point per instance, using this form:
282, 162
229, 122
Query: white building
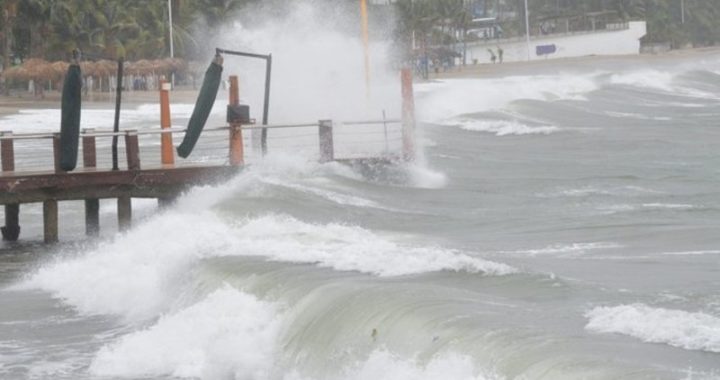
616, 39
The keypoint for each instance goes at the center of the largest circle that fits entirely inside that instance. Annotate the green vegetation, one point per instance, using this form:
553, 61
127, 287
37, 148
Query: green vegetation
139, 29
447, 21
135, 29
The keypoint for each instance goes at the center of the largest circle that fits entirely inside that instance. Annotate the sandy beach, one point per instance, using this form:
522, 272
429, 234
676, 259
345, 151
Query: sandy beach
15, 102
571, 64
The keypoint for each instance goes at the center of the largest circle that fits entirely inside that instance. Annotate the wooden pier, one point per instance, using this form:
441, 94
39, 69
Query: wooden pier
160, 178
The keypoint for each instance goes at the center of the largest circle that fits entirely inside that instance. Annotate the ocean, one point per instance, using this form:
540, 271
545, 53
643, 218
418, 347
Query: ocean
562, 221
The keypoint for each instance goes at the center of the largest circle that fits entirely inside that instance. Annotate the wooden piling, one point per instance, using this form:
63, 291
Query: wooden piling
166, 145
124, 213
50, 220
408, 115
236, 139
56, 152
132, 150
11, 230
92, 205
327, 148
89, 150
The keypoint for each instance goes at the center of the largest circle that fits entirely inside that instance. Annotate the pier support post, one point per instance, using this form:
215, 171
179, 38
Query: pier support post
132, 150
165, 202
167, 151
408, 115
92, 205
56, 152
327, 148
50, 220
11, 230
124, 212
236, 140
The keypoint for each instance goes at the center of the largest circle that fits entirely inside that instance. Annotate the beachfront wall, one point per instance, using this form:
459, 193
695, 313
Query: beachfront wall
618, 39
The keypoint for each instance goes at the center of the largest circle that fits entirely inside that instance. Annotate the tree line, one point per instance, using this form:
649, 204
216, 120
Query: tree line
134, 29
139, 29
680, 23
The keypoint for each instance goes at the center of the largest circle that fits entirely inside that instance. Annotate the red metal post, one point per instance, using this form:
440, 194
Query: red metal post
236, 140
166, 145
408, 115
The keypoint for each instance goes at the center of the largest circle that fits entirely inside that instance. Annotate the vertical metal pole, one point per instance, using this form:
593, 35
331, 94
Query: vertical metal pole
682, 10
366, 44
116, 126
266, 104
172, 47
387, 147
527, 29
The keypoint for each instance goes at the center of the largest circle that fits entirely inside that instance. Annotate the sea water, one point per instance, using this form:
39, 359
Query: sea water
560, 223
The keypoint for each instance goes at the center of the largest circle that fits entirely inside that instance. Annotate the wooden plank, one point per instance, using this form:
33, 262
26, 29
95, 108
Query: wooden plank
153, 183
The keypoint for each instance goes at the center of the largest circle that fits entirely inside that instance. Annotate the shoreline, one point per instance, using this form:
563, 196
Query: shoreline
548, 66
12, 104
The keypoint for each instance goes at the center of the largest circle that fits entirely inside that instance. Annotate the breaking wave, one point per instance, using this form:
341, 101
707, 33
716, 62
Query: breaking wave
678, 328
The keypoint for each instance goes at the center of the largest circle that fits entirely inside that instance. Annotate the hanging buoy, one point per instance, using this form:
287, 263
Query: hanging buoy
203, 106
70, 117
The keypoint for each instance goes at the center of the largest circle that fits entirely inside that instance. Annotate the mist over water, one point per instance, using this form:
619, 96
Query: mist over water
559, 224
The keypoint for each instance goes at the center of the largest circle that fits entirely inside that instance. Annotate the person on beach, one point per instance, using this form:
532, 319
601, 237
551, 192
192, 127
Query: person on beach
500, 54
493, 58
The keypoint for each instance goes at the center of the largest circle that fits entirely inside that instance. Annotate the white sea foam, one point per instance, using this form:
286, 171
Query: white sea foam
455, 97
229, 334
620, 208
351, 248
136, 274
48, 120
501, 127
678, 328
693, 253
654, 79
568, 249
630, 115
586, 191
424, 177
383, 365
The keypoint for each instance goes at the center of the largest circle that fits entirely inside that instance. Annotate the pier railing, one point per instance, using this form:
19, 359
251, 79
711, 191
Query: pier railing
327, 139
145, 167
